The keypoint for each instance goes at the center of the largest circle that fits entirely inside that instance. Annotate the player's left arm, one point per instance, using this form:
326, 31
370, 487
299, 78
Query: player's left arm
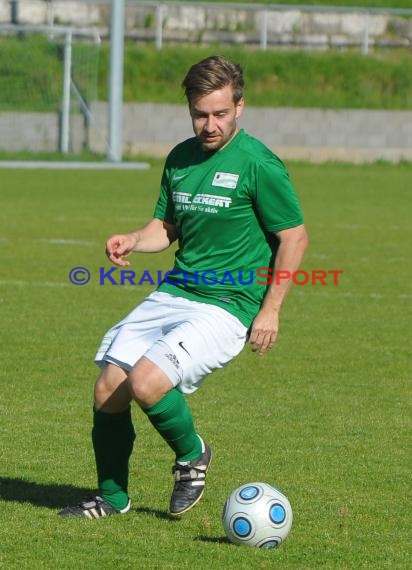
292, 245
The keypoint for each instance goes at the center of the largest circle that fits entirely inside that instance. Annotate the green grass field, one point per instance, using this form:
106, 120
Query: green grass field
325, 416
275, 78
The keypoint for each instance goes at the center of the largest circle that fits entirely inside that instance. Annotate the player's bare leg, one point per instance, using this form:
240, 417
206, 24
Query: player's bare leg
111, 391
147, 383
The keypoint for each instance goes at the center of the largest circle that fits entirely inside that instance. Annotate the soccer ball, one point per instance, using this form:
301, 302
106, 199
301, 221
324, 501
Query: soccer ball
257, 514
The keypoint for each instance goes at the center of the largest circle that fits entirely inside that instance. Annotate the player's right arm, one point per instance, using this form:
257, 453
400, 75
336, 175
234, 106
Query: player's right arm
155, 236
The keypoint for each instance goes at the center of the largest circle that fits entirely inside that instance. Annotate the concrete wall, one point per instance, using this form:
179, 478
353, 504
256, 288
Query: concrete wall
37, 132
29, 131
153, 129
307, 134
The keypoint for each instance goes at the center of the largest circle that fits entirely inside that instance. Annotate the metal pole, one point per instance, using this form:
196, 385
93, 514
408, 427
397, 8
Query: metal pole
65, 117
264, 31
50, 13
365, 43
116, 82
159, 26
14, 17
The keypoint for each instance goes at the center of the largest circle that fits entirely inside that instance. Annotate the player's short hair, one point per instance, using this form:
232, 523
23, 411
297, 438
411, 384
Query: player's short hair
210, 74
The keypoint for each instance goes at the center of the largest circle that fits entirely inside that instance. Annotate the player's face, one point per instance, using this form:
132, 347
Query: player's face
214, 118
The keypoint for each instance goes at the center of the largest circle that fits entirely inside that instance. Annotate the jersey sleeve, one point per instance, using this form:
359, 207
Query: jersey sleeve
276, 201
164, 209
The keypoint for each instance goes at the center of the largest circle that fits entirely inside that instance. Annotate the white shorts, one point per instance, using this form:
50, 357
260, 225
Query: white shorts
186, 339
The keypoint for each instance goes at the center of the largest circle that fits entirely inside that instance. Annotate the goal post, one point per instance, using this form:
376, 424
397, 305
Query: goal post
116, 81
48, 82
67, 83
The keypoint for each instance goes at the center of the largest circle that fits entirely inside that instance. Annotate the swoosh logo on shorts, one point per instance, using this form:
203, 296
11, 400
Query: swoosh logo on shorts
183, 348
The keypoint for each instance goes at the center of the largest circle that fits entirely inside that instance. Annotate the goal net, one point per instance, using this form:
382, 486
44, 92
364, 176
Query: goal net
48, 81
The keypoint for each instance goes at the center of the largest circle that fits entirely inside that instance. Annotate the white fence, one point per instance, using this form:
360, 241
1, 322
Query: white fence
260, 25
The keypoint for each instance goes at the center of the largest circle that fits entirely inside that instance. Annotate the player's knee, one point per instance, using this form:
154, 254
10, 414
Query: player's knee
140, 389
110, 390
147, 387
101, 391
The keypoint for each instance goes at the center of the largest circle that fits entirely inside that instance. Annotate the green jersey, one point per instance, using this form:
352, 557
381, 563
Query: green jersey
226, 206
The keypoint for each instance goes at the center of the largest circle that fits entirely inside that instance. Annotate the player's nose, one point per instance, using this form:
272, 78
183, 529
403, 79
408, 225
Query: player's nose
210, 124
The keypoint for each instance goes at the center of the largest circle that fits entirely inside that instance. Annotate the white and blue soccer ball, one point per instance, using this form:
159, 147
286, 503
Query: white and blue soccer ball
257, 514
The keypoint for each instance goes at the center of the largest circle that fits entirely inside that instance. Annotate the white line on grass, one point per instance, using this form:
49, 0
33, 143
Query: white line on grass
50, 165
351, 294
317, 256
355, 227
21, 283
379, 227
322, 292
62, 241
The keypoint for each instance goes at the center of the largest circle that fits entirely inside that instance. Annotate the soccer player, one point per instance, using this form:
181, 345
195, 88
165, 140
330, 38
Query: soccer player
229, 202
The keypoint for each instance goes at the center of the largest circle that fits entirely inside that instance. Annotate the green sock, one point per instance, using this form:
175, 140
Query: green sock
171, 417
113, 436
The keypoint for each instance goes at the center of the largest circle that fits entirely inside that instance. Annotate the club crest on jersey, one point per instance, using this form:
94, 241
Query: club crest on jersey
225, 180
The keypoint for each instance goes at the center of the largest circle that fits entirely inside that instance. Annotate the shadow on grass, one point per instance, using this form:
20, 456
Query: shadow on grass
215, 539
156, 513
52, 496
55, 496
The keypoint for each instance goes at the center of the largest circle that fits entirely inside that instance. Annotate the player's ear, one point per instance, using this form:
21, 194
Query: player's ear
239, 107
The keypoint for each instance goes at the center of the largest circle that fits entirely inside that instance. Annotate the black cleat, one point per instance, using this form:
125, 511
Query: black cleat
190, 481
93, 508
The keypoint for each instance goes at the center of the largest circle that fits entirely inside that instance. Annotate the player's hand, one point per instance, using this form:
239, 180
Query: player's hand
120, 246
264, 331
